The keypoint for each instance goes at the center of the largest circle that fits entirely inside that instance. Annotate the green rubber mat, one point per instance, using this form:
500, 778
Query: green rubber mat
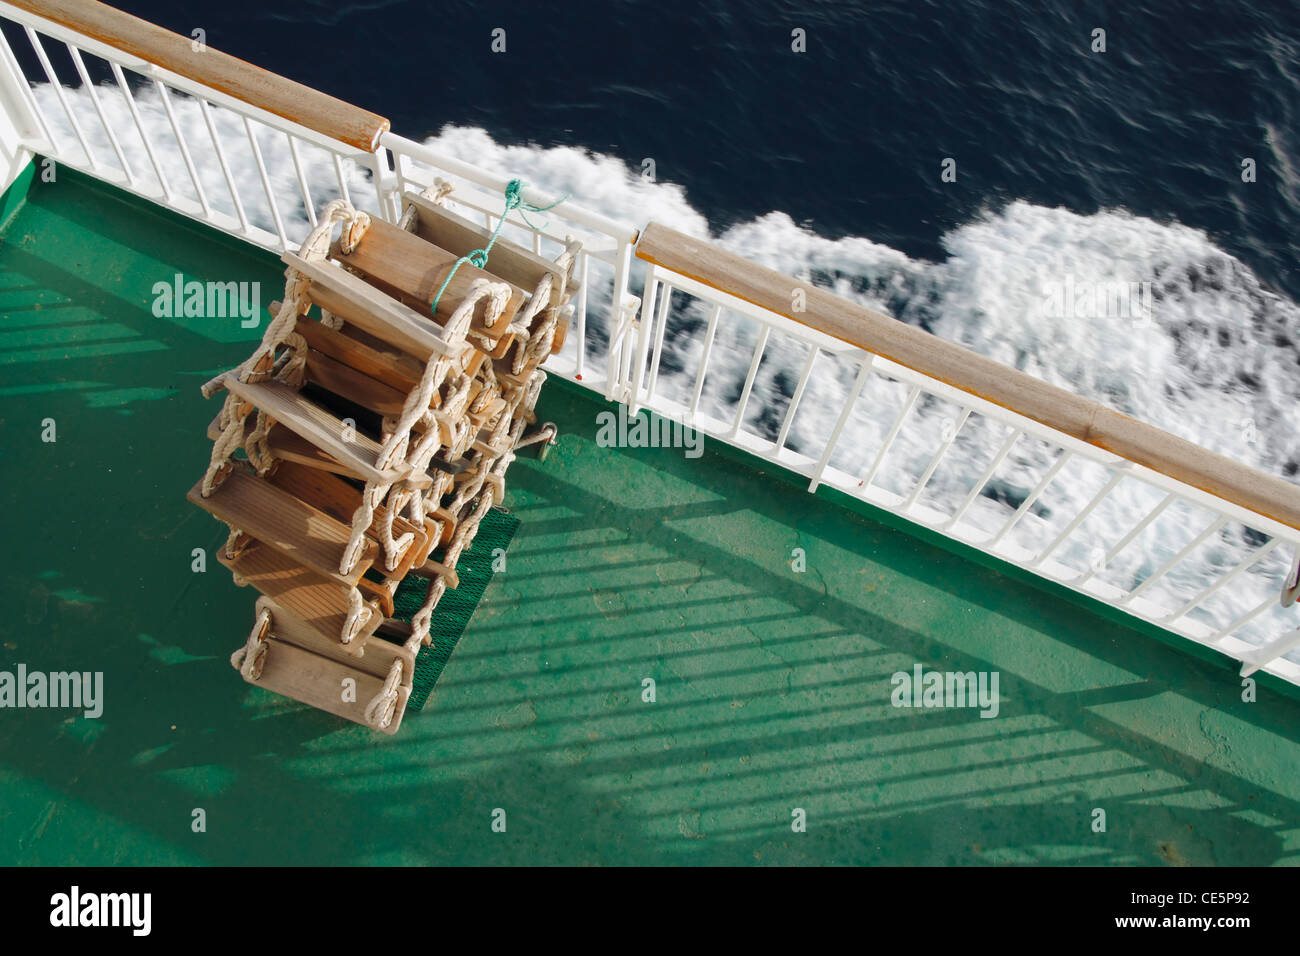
457, 606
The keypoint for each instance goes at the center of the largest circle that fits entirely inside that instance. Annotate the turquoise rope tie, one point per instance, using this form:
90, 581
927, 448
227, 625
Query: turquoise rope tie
479, 257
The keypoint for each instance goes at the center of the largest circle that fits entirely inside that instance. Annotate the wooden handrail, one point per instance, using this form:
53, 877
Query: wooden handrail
961, 368
216, 70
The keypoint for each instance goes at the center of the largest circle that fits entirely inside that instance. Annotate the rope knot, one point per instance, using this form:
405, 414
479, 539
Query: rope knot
514, 194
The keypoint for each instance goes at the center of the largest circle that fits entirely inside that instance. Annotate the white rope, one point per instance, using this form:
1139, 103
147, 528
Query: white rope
357, 618
362, 519
383, 706
232, 552
251, 658
231, 422
423, 618
256, 446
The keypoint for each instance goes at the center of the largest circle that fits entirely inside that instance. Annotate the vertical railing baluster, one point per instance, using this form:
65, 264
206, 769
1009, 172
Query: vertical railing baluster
660, 328
644, 328
704, 360
864, 372
266, 184
629, 355
1270, 652
401, 165
866, 479
1124, 542
749, 380
1117, 475
99, 111
1013, 435
1210, 590
184, 148
224, 164
1029, 501
344, 191
77, 131
619, 300
387, 204
24, 87
145, 138
934, 462
302, 180
1291, 579
1245, 619
1174, 561
581, 317
796, 398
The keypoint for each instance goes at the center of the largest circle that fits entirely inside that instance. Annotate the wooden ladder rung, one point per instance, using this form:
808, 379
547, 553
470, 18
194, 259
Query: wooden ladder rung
315, 680
512, 262
339, 500
358, 452
474, 359
382, 365
316, 600
489, 412
287, 446
356, 301
376, 660
214, 427
491, 451
347, 382
448, 525
283, 522
414, 269
433, 569
449, 466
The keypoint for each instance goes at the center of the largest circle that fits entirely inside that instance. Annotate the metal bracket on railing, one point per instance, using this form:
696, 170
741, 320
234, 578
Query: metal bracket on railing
1291, 587
1270, 652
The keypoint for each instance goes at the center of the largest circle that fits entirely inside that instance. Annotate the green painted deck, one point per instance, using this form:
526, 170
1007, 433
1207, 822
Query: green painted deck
773, 687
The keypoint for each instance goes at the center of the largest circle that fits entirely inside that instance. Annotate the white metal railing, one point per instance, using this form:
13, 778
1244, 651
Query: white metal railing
176, 142
1138, 540
261, 177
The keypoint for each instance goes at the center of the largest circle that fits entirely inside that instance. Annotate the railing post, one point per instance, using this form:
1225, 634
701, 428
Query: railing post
20, 119
864, 372
629, 392
387, 192
1270, 652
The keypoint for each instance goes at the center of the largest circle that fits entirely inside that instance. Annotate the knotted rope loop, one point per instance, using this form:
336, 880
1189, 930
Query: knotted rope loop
383, 706
251, 658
